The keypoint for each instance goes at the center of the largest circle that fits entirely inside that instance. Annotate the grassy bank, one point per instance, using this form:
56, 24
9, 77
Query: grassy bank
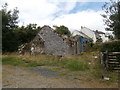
86, 66
72, 63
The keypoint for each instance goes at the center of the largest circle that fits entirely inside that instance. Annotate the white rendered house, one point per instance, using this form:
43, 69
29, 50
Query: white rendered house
90, 33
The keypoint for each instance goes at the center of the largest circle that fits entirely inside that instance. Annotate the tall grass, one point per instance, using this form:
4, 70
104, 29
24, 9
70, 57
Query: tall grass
88, 66
74, 64
71, 63
11, 61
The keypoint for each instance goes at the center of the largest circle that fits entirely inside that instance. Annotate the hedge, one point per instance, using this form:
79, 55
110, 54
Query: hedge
113, 46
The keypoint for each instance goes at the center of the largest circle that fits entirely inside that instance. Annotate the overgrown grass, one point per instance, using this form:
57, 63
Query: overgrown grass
11, 61
98, 72
74, 65
19, 62
86, 65
71, 63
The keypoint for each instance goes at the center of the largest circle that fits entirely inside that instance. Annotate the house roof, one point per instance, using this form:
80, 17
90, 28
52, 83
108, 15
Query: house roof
81, 34
99, 32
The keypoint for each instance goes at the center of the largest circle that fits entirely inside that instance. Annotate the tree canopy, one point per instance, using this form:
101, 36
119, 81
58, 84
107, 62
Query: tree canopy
62, 30
12, 34
9, 23
112, 17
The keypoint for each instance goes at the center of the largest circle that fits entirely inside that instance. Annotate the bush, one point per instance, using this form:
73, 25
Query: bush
93, 47
111, 46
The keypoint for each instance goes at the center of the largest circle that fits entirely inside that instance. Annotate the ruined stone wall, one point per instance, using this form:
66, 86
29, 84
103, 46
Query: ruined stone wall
48, 42
72, 46
38, 44
53, 44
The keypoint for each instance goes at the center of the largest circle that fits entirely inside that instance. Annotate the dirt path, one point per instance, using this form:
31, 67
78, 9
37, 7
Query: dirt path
14, 77
19, 77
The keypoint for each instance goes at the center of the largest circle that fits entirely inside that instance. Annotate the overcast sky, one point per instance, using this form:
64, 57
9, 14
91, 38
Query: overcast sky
71, 13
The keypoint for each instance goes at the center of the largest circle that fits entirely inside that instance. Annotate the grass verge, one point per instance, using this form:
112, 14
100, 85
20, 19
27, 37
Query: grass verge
71, 63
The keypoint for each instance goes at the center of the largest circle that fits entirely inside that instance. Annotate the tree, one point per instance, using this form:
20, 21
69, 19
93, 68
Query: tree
26, 34
12, 34
9, 18
112, 17
62, 30
9, 24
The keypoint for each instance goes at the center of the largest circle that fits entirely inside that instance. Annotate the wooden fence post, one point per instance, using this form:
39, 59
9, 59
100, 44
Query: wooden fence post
106, 61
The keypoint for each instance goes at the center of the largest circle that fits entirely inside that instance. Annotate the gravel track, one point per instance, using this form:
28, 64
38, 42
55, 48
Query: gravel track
21, 77
15, 77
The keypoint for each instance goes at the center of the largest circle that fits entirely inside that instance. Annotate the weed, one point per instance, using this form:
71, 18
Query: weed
76, 65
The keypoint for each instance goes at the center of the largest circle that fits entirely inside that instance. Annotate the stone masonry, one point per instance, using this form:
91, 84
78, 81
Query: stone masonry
49, 42
52, 43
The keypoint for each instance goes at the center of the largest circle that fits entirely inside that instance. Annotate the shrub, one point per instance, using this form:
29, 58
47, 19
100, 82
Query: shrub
93, 47
111, 46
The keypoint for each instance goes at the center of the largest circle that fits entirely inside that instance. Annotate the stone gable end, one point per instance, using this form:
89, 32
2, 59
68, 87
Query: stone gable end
53, 44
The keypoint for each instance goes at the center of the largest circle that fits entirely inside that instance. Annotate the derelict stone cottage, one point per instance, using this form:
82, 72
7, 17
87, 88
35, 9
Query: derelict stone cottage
49, 42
